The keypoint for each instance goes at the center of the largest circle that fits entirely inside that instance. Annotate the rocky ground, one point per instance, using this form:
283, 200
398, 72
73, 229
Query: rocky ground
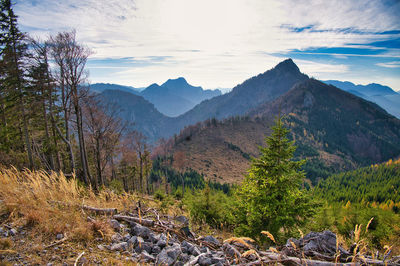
169, 241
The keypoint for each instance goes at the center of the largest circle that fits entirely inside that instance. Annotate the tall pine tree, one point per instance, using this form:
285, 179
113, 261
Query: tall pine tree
14, 95
270, 197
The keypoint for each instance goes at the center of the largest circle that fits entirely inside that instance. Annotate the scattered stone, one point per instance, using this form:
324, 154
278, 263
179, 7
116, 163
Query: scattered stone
162, 243
211, 239
101, 247
13, 231
156, 250
126, 237
115, 225
182, 219
116, 238
230, 251
142, 245
204, 259
323, 243
146, 257
133, 240
169, 255
144, 232
119, 246
59, 236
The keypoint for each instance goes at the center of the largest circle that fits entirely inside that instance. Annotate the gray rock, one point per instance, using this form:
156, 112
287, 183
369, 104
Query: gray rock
101, 247
203, 250
59, 236
184, 249
182, 219
146, 257
230, 251
168, 255
204, 260
133, 240
194, 251
13, 231
119, 246
156, 250
143, 246
216, 260
126, 237
143, 231
211, 239
115, 225
116, 238
162, 243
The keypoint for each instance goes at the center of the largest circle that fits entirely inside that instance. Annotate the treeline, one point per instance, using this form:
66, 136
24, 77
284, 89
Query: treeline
167, 179
50, 119
376, 183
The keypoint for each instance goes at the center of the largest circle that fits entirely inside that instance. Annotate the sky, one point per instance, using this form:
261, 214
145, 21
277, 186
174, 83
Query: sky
221, 43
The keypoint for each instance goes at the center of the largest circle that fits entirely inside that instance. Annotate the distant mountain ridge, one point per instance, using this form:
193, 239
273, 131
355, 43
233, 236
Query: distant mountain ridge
176, 96
172, 98
384, 96
335, 130
100, 87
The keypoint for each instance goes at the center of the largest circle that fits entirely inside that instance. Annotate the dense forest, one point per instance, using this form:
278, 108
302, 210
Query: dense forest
377, 183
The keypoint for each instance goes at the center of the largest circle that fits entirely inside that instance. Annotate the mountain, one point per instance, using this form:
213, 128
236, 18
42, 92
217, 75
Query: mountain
384, 96
333, 129
180, 87
176, 96
165, 101
100, 87
142, 114
252, 92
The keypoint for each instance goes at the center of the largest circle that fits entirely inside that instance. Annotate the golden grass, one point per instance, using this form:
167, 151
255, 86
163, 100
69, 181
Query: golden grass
51, 203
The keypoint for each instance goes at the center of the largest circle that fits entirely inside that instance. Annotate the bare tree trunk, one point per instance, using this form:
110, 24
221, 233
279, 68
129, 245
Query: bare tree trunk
82, 152
98, 163
49, 155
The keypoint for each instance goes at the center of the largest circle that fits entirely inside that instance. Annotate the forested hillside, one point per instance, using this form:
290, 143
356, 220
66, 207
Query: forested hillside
378, 183
334, 130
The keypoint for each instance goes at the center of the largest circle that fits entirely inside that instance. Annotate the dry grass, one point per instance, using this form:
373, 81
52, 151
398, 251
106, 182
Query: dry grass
51, 204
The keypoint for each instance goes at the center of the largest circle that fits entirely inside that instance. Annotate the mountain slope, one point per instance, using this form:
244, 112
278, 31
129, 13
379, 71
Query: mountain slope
252, 92
376, 183
165, 101
142, 114
333, 129
379, 94
100, 87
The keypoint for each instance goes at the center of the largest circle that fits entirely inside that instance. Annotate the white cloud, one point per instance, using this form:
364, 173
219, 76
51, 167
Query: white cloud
212, 43
394, 64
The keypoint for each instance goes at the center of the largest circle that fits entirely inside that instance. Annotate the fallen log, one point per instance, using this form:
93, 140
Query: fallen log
270, 257
145, 222
100, 210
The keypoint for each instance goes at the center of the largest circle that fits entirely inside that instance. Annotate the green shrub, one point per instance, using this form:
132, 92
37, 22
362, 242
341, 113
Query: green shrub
209, 206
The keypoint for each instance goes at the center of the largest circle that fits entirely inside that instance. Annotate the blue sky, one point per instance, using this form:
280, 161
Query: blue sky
220, 43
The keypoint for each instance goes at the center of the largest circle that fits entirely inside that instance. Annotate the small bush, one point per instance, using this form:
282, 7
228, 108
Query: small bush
209, 206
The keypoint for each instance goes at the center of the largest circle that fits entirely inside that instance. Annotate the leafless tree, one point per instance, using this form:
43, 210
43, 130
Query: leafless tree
71, 58
104, 129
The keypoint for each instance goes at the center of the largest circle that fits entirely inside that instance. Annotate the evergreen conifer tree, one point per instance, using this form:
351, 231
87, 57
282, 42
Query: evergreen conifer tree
270, 197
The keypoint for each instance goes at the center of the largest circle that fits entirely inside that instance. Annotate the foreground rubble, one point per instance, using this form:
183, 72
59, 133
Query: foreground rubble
168, 241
